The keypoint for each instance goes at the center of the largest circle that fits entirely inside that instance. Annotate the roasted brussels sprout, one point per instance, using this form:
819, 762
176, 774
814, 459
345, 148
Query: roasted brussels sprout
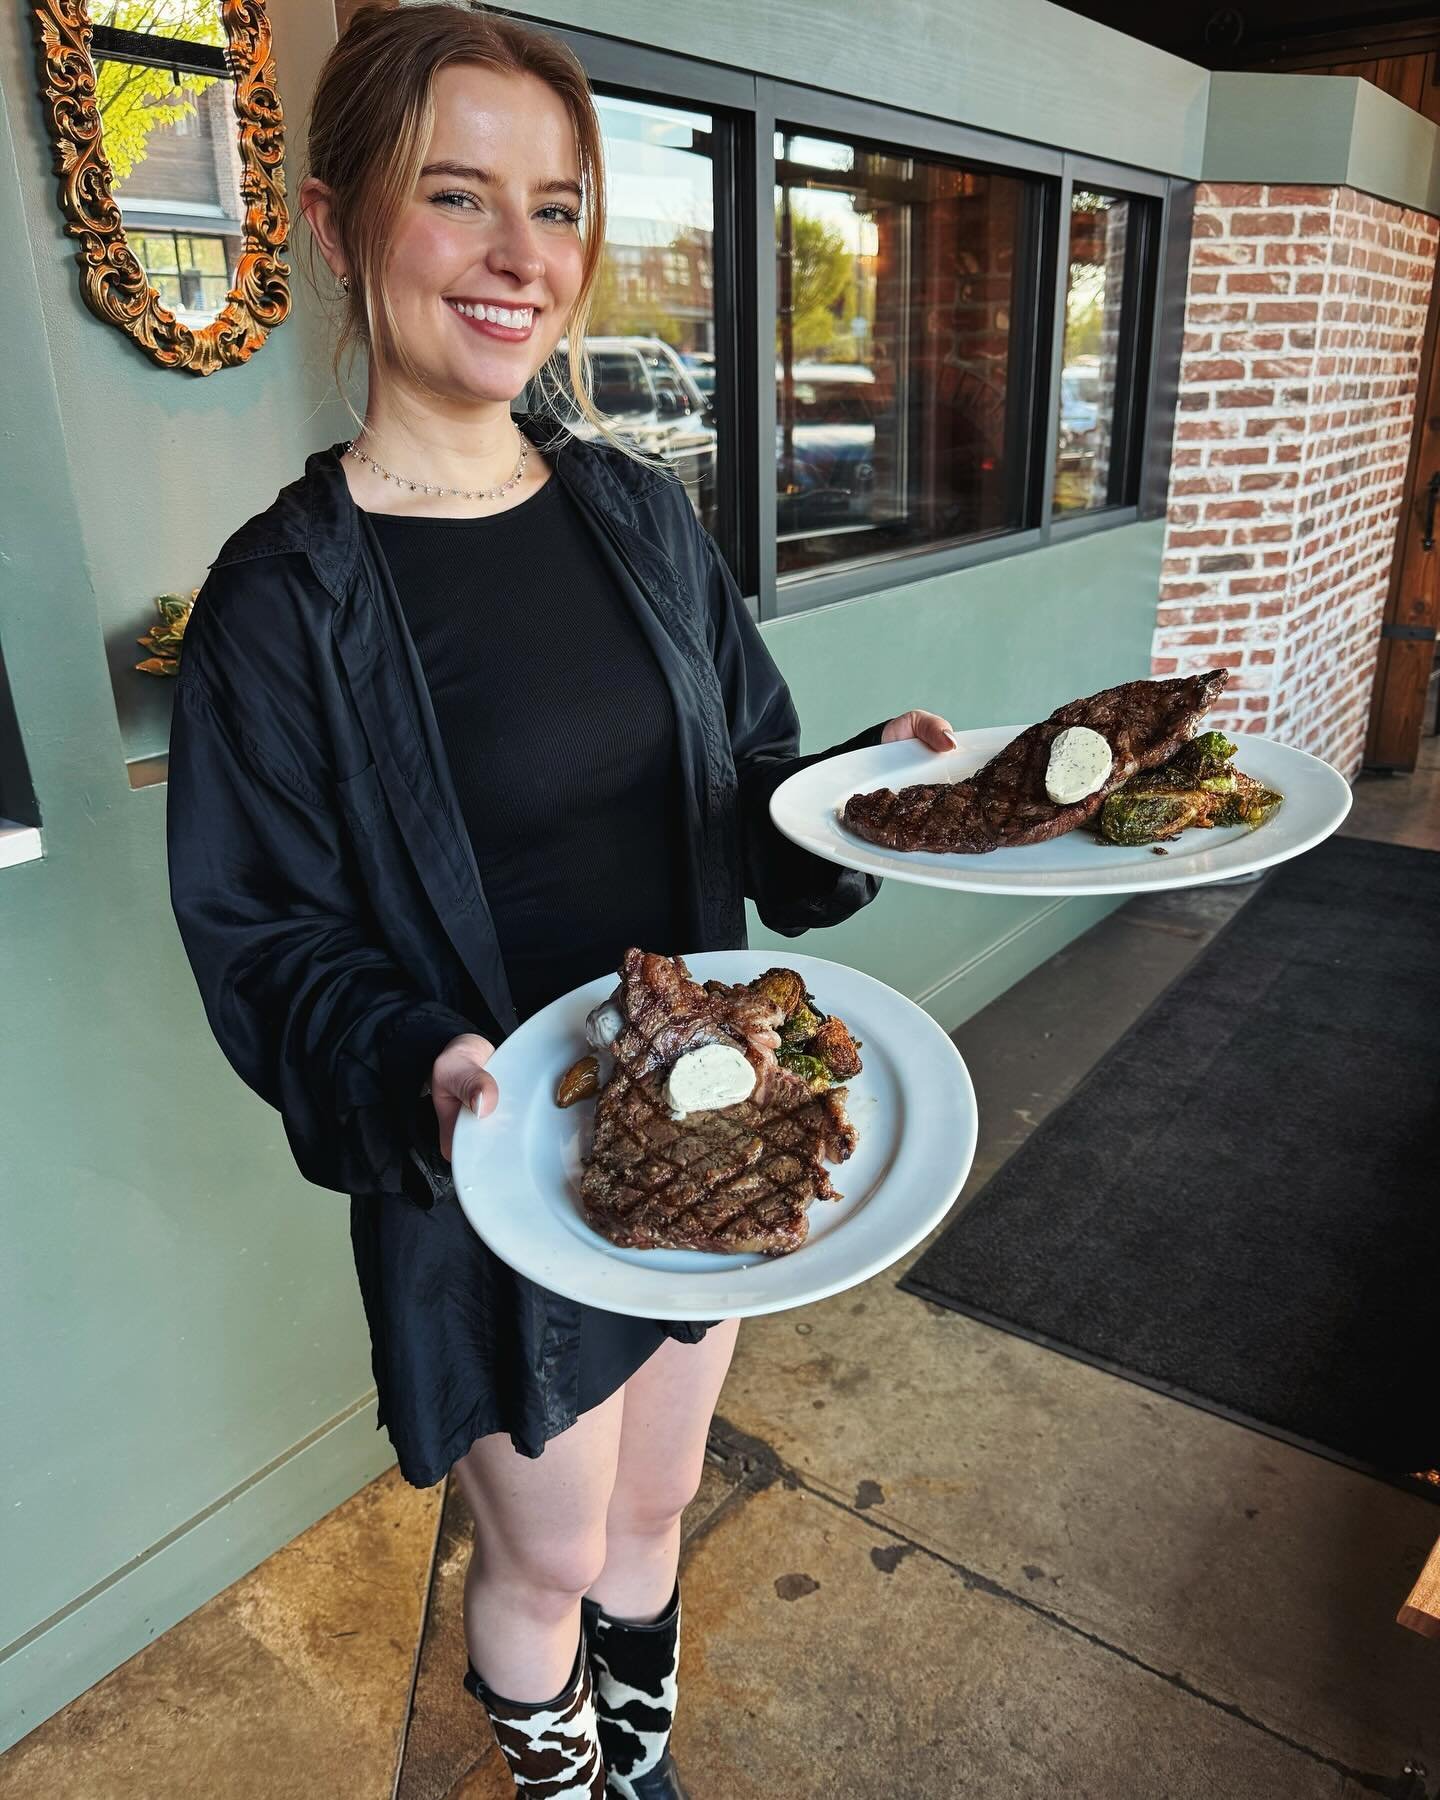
1133, 816
801, 1026
783, 987
1198, 787
1204, 755
1252, 803
810, 1069
835, 1047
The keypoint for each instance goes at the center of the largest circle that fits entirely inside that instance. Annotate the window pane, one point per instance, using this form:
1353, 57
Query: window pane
1093, 296
652, 328
899, 380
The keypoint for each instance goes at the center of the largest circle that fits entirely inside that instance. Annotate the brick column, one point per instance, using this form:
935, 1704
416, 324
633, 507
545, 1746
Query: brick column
1305, 314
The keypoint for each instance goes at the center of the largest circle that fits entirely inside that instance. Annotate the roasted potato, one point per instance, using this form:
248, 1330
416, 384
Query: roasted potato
579, 1082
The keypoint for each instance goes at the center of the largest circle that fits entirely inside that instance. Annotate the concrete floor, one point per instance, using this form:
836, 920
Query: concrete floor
928, 1559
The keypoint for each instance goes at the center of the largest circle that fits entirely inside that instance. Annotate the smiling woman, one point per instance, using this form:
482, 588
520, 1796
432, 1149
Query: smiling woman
471, 709
464, 219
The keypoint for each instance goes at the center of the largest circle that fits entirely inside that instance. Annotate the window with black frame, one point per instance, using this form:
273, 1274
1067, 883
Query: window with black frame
651, 341
1105, 338
904, 350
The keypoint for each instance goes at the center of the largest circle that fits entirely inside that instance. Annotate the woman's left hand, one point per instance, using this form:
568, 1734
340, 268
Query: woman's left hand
932, 731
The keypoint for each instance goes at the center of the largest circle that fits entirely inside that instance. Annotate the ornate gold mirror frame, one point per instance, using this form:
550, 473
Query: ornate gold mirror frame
113, 284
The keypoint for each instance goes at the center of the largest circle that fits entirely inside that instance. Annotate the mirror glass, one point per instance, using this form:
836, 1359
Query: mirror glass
167, 102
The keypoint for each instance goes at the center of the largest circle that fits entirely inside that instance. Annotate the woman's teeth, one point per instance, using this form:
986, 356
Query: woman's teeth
517, 318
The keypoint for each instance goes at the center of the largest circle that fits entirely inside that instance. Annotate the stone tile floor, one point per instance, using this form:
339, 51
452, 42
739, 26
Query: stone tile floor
928, 1559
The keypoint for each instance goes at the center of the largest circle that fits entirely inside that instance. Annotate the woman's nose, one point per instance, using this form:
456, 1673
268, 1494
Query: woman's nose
514, 249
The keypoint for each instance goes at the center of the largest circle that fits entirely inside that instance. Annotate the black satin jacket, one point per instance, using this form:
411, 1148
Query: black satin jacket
321, 877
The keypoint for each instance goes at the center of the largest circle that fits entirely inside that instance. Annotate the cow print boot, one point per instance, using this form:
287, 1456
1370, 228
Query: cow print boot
552, 1746
636, 1671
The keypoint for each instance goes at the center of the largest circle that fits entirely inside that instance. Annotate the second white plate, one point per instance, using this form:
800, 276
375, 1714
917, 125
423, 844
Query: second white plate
807, 809
517, 1172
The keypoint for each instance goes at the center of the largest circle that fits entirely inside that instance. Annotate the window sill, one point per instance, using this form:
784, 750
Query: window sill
148, 771
19, 844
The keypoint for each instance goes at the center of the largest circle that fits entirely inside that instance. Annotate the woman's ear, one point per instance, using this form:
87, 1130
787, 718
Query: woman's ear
315, 204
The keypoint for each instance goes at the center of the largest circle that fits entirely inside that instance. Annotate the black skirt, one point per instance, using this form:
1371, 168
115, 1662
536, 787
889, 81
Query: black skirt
427, 1281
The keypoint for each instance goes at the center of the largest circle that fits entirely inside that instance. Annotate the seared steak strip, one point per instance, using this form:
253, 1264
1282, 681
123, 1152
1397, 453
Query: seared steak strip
1005, 802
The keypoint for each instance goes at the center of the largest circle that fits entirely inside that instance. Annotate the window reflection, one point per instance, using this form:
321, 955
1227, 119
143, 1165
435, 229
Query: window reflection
170, 135
899, 381
1094, 292
651, 342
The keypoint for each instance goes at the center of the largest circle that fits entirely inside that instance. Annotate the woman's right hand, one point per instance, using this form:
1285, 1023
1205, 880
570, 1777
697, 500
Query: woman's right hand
459, 1078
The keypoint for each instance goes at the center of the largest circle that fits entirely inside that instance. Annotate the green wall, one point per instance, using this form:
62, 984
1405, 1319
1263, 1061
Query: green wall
188, 1366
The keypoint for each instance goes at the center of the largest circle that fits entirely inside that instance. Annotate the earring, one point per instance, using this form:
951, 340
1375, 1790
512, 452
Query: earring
344, 281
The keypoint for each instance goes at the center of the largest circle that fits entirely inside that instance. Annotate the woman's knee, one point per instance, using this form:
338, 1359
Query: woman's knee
563, 1565
652, 1508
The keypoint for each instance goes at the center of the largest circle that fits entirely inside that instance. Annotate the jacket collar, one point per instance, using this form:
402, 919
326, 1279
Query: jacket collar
317, 515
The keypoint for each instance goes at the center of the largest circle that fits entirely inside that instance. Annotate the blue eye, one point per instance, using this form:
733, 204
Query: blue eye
568, 214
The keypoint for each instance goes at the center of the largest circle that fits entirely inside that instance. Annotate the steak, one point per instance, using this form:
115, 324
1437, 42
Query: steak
741, 1178
1005, 802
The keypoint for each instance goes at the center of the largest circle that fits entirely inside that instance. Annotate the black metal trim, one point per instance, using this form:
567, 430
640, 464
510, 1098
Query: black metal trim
1421, 634
1163, 398
157, 52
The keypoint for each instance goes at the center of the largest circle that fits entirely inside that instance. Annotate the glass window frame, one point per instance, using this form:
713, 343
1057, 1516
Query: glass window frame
745, 109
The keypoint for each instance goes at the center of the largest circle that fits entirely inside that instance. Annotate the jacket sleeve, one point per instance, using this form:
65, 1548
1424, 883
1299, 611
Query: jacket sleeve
299, 989
793, 890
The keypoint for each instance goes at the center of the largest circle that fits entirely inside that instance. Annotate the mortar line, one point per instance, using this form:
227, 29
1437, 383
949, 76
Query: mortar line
730, 1440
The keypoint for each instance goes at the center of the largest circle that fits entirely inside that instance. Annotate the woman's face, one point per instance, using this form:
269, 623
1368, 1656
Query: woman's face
492, 223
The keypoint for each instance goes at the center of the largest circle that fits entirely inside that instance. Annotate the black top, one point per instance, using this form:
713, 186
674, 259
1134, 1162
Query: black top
560, 734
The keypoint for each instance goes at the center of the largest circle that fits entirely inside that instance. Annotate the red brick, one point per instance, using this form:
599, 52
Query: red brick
1242, 281
1286, 312
1245, 397
1262, 224
1220, 370
1299, 196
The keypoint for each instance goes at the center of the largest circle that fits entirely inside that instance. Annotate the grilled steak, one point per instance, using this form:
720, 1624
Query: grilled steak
1005, 802
740, 1178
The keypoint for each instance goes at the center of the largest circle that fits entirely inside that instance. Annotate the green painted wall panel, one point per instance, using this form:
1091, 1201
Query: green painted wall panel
1325, 130
1024, 67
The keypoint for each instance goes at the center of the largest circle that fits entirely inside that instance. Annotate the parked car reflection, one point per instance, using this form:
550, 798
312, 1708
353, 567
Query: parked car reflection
825, 457
642, 385
1079, 410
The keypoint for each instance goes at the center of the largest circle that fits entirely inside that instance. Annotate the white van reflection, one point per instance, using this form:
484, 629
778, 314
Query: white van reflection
643, 387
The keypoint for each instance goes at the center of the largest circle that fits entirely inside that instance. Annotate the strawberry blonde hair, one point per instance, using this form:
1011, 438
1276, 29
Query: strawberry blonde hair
371, 120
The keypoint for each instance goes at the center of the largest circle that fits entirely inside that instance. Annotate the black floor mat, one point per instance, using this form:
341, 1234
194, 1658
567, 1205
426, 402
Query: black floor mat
1240, 1205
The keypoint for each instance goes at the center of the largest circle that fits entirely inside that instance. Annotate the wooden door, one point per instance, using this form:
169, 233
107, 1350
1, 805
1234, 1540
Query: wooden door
1412, 609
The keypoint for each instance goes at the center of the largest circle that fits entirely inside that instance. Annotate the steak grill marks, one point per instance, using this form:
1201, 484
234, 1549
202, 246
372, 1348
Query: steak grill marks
738, 1179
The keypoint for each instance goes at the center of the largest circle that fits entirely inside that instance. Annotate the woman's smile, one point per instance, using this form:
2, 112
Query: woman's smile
512, 324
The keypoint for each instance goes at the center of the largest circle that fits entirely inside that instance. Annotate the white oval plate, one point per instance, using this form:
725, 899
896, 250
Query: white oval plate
517, 1172
807, 809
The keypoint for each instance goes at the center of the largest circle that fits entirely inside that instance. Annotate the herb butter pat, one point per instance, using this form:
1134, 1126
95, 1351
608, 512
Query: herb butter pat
715, 1075
1080, 764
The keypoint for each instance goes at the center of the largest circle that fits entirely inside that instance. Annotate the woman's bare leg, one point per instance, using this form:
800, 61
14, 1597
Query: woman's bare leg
669, 1402
539, 1544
